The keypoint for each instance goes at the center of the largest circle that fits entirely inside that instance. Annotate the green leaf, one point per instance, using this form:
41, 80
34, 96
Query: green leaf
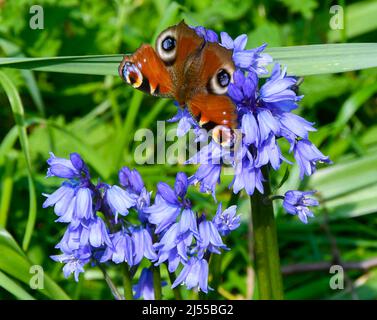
15, 263
95, 64
353, 103
300, 60
326, 58
8, 142
283, 180
346, 177
348, 189
18, 114
14, 288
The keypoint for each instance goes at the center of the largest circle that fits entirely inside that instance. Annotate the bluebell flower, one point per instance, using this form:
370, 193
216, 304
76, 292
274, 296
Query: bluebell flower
208, 175
73, 239
122, 249
142, 203
143, 245
61, 199
180, 227
250, 129
84, 205
243, 90
163, 213
131, 180
79, 164
74, 261
277, 94
97, 233
251, 60
296, 124
119, 200
260, 60
144, 288
168, 203
307, 155
267, 124
227, 220
72, 204
269, 152
297, 203
246, 175
210, 238
194, 275
187, 223
211, 157
174, 245
206, 34
187, 122
236, 45
64, 168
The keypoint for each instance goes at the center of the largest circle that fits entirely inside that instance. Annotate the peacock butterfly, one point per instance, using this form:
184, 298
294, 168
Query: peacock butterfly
185, 67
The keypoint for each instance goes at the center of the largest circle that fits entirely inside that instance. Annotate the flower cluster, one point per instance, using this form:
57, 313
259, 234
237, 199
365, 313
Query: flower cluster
167, 231
264, 117
185, 237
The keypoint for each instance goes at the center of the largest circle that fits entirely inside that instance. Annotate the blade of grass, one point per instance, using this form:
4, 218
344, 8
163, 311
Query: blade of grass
14, 288
300, 60
15, 263
6, 190
8, 143
18, 113
352, 104
128, 125
12, 49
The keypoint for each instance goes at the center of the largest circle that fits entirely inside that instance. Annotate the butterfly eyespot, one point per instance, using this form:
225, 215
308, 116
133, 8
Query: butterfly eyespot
227, 137
132, 75
223, 78
220, 81
166, 46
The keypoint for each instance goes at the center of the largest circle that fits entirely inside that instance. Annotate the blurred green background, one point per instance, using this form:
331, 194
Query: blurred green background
97, 117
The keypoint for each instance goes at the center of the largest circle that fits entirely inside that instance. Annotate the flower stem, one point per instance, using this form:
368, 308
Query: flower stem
176, 290
157, 283
127, 283
266, 249
110, 283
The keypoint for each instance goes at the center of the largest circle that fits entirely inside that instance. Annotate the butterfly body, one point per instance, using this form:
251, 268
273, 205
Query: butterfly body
185, 67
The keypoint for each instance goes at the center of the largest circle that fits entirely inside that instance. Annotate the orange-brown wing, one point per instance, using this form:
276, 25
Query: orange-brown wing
145, 71
217, 109
160, 71
187, 46
209, 103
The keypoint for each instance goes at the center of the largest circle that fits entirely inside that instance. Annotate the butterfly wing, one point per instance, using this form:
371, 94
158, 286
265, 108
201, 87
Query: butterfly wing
185, 67
213, 109
145, 71
213, 72
160, 71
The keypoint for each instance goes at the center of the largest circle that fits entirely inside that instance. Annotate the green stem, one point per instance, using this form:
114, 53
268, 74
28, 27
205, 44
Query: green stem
7, 189
176, 290
110, 283
266, 249
127, 283
157, 283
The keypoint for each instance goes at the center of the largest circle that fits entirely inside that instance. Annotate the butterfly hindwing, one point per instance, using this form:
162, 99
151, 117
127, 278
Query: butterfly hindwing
145, 71
210, 102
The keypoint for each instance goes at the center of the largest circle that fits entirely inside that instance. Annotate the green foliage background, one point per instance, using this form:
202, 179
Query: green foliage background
97, 116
